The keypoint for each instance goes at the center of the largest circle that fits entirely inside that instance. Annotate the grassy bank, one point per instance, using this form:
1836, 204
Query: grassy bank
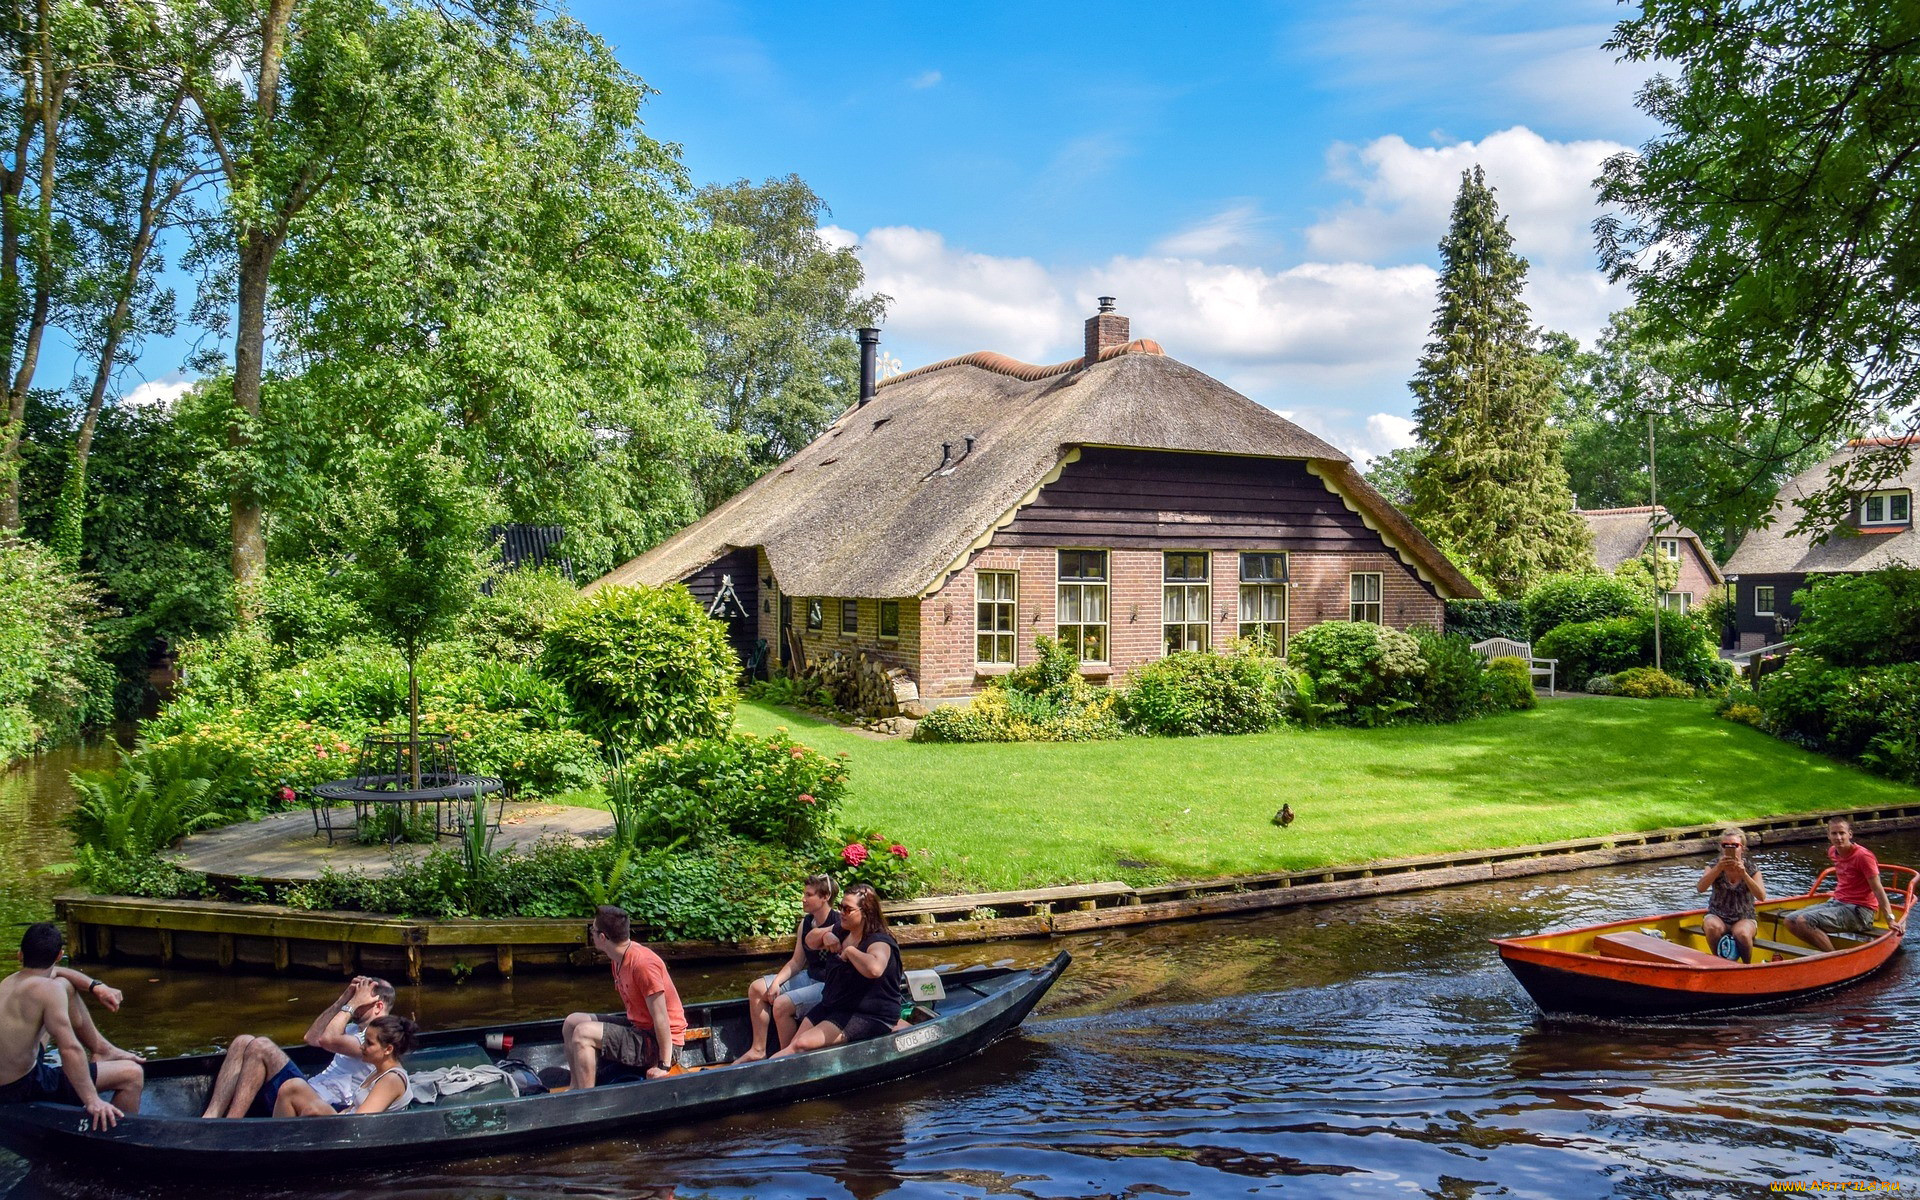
1147, 810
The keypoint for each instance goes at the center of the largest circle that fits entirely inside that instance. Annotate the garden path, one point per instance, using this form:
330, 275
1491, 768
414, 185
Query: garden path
284, 848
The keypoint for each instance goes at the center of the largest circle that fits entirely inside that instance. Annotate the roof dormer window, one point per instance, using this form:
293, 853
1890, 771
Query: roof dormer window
1887, 508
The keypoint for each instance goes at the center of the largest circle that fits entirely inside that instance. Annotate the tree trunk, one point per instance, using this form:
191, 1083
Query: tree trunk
52, 97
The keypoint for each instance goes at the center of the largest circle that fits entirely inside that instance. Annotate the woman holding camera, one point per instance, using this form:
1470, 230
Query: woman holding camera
1732, 920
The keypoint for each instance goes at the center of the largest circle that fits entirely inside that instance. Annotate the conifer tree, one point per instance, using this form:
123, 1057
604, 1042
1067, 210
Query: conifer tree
1491, 488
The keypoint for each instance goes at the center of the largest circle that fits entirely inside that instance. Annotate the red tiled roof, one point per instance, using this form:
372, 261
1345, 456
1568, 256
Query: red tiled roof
1001, 364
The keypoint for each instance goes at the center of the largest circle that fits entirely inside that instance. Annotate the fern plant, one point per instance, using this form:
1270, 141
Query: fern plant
125, 812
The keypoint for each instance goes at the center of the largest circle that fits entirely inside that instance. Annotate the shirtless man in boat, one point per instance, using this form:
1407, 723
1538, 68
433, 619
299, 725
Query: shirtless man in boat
41, 1002
255, 1068
1858, 894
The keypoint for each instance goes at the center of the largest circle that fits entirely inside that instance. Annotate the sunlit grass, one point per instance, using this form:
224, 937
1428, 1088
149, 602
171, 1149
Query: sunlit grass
1013, 816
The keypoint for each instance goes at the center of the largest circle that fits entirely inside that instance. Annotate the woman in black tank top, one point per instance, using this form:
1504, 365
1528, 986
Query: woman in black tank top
867, 990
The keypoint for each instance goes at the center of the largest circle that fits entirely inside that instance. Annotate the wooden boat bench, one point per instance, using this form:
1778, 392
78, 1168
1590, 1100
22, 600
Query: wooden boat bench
1760, 943
1644, 947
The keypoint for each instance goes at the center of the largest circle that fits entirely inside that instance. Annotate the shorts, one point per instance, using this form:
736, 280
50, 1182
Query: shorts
624, 1043
858, 1026
45, 1082
803, 992
1837, 916
269, 1093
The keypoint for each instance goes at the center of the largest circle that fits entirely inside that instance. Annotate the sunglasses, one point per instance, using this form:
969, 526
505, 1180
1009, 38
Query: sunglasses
1734, 845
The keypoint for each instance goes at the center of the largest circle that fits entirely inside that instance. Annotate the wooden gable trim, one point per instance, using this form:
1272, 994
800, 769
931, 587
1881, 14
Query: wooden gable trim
1399, 548
998, 523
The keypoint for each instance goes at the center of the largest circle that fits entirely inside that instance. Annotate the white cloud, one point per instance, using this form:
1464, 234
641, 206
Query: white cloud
962, 301
924, 80
1389, 431
1235, 228
162, 392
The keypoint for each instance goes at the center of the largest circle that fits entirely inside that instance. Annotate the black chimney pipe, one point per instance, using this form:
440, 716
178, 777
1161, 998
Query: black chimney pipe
869, 344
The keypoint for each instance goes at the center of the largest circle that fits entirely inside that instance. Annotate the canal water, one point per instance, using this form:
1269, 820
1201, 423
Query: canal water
1368, 1048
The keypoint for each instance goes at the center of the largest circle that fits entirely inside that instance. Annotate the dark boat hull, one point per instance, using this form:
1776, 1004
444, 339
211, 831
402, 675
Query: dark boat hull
285, 1146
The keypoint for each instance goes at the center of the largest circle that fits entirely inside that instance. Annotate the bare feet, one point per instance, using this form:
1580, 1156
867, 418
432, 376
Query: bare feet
753, 1055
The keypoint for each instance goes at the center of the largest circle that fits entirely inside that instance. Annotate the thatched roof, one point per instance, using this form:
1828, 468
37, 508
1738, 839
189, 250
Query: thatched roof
1621, 533
868, 510
1775, 550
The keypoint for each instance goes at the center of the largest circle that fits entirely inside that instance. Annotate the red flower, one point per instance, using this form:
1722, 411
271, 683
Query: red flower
321, 753
806, 799
286, 795
854, 855
897, 850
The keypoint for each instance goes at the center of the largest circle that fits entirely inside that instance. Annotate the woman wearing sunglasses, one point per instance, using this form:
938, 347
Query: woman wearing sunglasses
866, 992
1731, 919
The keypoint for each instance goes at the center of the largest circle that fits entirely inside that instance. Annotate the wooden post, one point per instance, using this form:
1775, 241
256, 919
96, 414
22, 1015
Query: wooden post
76, 939
103, 942
346, 958
226, 951
166, 947
503, 959
280, 955
414, 971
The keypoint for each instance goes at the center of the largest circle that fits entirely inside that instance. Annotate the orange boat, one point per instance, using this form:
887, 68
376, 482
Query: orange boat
1659, 966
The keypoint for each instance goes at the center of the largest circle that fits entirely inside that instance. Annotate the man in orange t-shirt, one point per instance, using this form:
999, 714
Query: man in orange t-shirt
1858, 894
651, 1002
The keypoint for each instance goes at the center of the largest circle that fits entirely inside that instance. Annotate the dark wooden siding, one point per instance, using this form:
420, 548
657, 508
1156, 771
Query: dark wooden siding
531, 547
1784, 586
1141, 499
742, 566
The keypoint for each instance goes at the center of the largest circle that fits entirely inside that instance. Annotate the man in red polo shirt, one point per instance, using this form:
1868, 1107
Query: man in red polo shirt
1858, 894
651, 1002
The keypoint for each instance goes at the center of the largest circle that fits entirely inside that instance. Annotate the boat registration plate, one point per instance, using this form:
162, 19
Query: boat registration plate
917, 1037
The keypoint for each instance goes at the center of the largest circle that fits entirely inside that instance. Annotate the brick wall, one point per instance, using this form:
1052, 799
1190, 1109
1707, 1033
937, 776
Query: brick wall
1693, 574
1320, 592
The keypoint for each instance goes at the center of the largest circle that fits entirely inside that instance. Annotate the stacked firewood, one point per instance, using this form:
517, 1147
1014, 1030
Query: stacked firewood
864, 685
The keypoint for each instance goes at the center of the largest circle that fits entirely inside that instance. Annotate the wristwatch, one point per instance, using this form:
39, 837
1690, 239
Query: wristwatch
92, 985
347, 1009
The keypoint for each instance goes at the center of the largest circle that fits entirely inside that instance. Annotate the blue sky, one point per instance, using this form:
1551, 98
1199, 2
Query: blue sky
1261, 185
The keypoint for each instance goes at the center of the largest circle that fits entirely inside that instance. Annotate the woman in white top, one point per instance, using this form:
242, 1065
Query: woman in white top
383, 1090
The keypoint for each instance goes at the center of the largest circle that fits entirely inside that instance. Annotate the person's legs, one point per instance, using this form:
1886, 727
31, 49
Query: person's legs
1807, 931
264, 1061
227, 1077
298, 1099
1743, 934
90, 1035
581, 1034
813, 1037
760, 1000
125, 1079
1714, 928
786, 1022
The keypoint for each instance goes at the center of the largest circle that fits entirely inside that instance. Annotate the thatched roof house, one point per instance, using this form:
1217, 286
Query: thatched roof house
1621, 534
1086, 492
1774, 562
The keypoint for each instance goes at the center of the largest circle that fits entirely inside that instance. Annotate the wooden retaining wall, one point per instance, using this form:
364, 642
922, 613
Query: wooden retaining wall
205, 933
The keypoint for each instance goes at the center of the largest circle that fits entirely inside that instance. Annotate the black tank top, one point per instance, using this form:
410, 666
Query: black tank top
820, 963
883, 997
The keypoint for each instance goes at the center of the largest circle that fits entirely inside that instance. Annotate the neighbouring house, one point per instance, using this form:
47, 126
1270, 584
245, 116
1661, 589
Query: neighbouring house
1774, 562
1621, 534
1120, 501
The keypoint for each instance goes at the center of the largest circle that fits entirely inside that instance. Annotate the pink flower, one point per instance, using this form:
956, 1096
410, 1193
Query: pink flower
286, 795
854, 855
799, 752
897, 850
321, 753
340, 746
806, 799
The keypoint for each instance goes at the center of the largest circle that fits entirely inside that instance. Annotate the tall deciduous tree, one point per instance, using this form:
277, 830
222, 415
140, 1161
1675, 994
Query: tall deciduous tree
1491, 487
1768, 229
528, 269
780, 369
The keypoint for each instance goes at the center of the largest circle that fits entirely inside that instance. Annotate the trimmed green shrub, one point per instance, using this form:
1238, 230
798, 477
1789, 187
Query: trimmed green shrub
643, 666
1589, 648
1872, 713
1798, 695
1510, 683
1478, 620
1455, 686
1600, 685
1866, 620
698, 792
1645, 683
510, 620
1045, 701
1575, 599
1182, 695
1355, 672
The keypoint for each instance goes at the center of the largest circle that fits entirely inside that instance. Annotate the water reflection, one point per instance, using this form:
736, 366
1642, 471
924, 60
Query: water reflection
1346, 1050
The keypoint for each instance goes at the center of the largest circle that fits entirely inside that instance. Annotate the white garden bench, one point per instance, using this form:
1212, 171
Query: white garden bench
1494, 648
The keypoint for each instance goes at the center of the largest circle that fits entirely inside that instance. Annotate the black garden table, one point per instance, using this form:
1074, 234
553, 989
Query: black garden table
385, 778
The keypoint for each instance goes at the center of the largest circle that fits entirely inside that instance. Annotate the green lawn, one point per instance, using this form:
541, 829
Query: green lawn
1013, 816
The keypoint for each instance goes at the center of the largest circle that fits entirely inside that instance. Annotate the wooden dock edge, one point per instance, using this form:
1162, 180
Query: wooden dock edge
209, 933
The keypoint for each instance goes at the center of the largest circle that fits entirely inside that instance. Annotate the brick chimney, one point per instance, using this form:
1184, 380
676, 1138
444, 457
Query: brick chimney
1105, 330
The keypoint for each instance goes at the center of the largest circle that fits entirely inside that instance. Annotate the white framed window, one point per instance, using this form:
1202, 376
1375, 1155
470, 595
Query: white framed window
1263, 600
889, 620
1670, 549
1186, 601
1679, 602
1762, 600
1887, 508
1081, 614
996, 597
849, 617
1363, 597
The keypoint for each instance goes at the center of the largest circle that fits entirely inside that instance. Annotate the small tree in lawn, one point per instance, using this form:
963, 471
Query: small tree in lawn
415, 535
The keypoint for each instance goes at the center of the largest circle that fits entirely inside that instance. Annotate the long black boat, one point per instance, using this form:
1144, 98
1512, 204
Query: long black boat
977, 1008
